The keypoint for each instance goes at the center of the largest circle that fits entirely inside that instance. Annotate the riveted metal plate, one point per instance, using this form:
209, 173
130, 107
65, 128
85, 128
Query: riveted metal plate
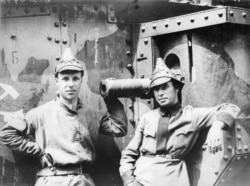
238, 15
13, 12
242, 135
144, 57
111, 14
234, 168
213, 164
195, 20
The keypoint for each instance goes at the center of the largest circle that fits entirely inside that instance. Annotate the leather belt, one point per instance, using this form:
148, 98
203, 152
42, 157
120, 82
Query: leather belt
63, 170
167, 156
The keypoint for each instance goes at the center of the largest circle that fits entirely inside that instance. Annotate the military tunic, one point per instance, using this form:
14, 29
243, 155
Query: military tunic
69, 136
146, 161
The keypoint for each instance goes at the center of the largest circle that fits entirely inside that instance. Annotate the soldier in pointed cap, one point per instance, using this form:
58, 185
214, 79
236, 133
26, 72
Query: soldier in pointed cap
165, 135
65, 130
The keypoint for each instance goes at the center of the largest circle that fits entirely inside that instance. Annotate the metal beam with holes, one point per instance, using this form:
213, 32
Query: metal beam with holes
196, 20
14, 12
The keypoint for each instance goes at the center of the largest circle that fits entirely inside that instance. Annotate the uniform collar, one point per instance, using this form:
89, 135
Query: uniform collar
171, 111
79, 105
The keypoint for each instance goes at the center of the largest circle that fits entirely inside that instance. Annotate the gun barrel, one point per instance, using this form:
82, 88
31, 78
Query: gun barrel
125, 88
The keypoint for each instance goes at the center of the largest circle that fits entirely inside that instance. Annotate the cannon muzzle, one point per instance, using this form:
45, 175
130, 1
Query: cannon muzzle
125, 88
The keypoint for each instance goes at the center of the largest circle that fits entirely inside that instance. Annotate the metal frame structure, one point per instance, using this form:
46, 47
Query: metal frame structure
196, 20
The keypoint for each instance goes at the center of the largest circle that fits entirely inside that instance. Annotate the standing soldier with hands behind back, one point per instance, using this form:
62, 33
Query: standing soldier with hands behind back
165, 136
65, 130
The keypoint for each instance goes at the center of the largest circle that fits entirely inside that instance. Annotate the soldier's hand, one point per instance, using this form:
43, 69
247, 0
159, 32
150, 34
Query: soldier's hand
47, 161
215, 137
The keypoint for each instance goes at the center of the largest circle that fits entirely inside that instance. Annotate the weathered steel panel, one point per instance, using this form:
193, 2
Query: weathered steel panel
150, 10
15, 12
217, 63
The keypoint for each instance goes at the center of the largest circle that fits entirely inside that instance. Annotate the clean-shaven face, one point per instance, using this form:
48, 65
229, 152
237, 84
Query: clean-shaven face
166, 94
69, 85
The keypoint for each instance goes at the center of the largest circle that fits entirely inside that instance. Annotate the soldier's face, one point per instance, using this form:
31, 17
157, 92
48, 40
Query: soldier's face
69, 84
166, 94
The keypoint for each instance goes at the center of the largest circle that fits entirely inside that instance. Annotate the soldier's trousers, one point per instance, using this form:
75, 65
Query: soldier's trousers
65, 180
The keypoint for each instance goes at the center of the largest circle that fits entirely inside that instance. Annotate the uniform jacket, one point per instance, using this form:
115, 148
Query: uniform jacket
138, 160
69, 136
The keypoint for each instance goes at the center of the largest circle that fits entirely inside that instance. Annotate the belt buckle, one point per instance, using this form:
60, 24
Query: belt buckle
80, 169
168, 156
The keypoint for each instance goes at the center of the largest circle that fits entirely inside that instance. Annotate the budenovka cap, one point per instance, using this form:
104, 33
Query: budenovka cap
162, 74
68, 62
